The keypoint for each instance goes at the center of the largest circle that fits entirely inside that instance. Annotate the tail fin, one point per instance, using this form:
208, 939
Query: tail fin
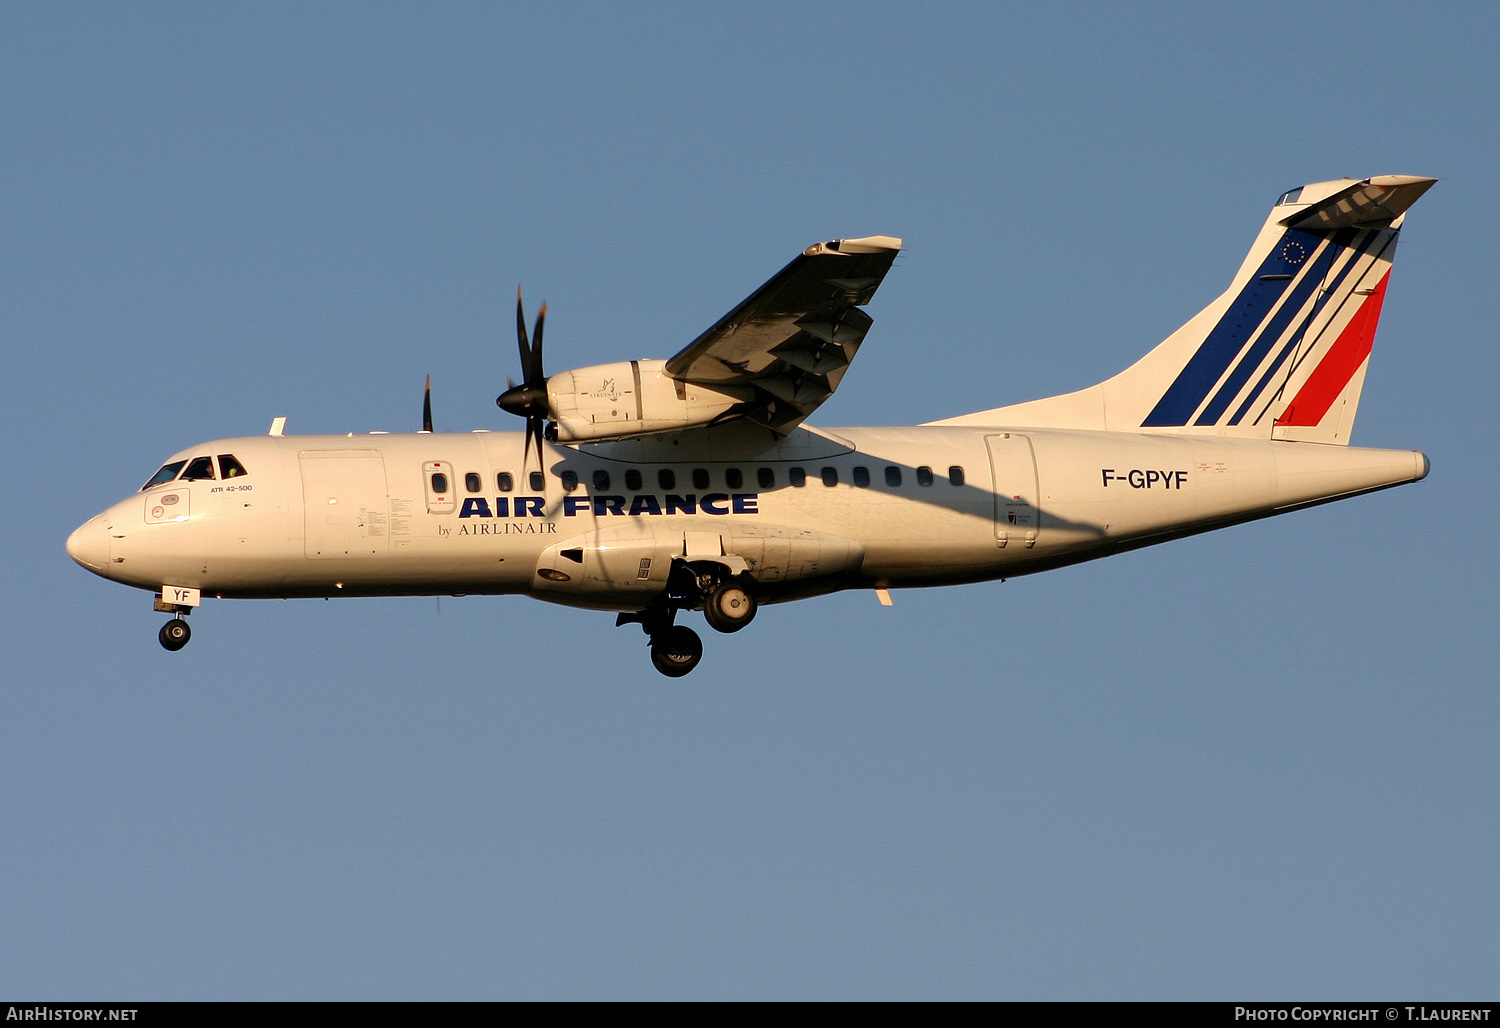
1282, 353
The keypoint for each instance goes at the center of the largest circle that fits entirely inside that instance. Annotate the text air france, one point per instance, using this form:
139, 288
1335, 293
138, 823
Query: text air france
641, 504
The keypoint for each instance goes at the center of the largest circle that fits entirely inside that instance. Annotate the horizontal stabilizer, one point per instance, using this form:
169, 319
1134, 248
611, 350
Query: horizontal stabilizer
1371, 203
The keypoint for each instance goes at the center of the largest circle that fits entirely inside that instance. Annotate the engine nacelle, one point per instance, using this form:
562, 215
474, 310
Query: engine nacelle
628, 398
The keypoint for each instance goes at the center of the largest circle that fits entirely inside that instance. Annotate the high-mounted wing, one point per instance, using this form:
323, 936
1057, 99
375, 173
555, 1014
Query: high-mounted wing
785, 348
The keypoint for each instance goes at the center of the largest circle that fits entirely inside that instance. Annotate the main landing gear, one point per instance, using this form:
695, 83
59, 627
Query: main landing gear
728, 604
675, 649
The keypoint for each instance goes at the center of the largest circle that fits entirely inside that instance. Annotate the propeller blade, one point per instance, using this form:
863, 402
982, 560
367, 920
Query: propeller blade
521, 337
533, 429
529, 399
534, 374
427, 406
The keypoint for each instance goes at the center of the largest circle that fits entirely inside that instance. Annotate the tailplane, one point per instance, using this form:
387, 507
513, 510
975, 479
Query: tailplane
1282, 353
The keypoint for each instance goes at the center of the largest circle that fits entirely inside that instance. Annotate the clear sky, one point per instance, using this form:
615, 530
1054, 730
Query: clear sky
1259, 763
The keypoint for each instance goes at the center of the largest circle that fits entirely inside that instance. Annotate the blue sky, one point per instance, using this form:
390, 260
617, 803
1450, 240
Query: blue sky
1254, 764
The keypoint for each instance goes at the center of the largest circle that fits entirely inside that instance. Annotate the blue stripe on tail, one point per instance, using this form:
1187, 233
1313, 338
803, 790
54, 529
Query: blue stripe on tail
1310, 281
1291, 344
1228, 337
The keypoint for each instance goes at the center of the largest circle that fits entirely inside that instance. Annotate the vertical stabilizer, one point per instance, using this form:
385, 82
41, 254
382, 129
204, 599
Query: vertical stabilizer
1282, 353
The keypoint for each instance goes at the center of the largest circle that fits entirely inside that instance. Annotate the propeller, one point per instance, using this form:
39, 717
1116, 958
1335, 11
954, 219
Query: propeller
529, 399
427, 406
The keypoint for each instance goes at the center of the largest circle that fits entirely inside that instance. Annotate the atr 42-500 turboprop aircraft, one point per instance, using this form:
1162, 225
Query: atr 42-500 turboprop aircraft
650, 487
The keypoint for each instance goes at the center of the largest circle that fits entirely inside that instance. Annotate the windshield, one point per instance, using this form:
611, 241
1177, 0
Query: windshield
202, 467
166, 474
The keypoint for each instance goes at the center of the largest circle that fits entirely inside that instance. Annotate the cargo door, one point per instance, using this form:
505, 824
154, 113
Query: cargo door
1017, 519
345, 509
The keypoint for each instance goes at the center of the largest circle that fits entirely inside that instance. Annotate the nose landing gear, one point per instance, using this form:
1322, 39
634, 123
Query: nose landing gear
174, 635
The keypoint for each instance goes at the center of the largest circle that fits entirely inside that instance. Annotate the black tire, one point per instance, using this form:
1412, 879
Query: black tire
676, 651
174, 635
729, 606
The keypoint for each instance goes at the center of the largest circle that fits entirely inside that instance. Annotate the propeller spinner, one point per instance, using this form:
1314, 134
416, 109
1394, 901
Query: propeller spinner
529, 399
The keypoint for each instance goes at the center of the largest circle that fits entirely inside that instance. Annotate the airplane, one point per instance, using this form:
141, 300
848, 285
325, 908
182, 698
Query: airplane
651, 487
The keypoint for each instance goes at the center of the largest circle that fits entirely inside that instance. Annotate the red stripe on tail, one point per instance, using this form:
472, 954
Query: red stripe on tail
1339, 365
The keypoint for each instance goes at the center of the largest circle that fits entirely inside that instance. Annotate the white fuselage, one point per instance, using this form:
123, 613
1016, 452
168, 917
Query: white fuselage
877, 508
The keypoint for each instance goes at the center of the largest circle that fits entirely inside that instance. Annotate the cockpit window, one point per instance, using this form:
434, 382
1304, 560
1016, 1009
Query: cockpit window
166, 474
229, 467
201, 467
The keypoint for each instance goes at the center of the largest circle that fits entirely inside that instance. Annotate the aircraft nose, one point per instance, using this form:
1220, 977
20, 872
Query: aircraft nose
89, 544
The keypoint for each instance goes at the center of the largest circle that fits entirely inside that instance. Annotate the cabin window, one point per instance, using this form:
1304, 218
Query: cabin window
862, 477
569, 480
956, 475
601, 479
766, 477
201, 467
538, 482
700, 478
924, 475
229, 467
166, 474
797, 477
830, 477
472, 482
632, 480
666, 478
439, 482
893, 477
733, 478
504, 482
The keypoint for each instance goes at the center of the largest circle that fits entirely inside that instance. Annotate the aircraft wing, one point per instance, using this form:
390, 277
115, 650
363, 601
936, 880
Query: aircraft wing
786, 347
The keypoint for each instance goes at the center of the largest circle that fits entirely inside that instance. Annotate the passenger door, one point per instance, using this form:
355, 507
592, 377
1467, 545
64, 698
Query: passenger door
1013, 465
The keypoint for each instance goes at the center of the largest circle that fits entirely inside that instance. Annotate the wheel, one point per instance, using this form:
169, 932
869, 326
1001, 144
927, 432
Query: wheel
729, 606
174, 635
676, 651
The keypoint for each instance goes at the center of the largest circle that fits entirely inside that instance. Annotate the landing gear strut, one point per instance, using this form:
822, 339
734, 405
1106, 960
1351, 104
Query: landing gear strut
174, 635
675, 649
